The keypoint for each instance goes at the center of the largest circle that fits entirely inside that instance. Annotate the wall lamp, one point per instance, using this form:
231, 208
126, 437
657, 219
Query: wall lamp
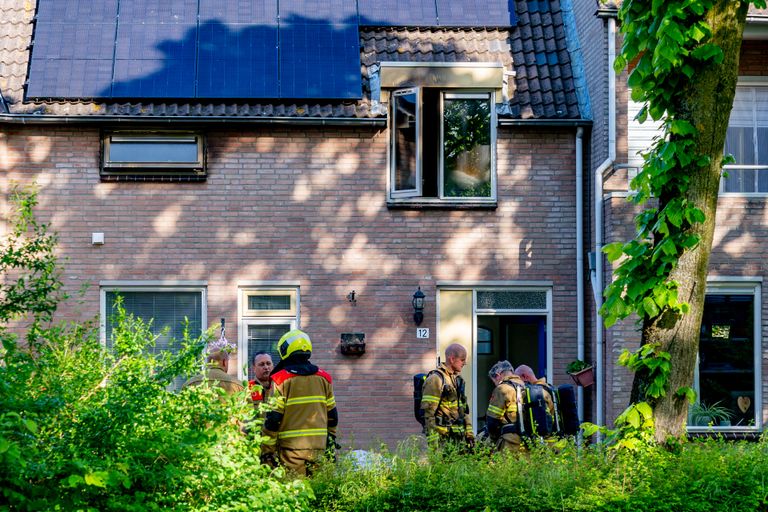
418, 306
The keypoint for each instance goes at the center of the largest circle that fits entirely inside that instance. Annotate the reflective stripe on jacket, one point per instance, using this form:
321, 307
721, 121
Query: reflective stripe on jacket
444, 411
302, 412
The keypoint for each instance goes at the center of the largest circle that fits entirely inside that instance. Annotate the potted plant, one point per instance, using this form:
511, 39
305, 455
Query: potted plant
703, 415
582, 373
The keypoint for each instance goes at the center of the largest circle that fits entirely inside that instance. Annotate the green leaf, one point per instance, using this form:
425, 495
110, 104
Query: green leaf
650, 307
644, 408
4, 445
97, 478
633, 417
681, 127
74, 481
31, 426
613, 251
708, 51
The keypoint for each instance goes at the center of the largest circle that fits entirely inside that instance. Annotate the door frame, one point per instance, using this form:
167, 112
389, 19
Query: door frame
498, 286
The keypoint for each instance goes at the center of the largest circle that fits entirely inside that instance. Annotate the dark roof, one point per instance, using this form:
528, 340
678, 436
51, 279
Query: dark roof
536, 49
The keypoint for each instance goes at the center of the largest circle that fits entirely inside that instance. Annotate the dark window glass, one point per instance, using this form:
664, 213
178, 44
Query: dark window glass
264, 338
727, 359
160, 151
406, 141
269, 302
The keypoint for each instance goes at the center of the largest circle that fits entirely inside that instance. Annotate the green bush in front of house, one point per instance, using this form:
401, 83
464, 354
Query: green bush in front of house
703, 476
91, 428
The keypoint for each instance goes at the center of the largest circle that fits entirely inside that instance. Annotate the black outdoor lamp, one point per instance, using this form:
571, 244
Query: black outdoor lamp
418, 306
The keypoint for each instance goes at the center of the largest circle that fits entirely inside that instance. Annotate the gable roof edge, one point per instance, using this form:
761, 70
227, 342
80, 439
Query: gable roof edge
577, 62
37, 119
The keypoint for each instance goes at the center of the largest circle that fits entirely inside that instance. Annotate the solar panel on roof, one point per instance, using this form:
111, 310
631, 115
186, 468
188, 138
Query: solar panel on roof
155, 60
318, 12
319, 61
88, 41
476, 13
237, 61
154, 11
397, 13
77, 10
154, 79
78, 78
239, 11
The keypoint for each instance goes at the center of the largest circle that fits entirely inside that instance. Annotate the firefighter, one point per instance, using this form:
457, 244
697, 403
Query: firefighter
301, 423
261, 367
446, 412
503, 418
526, 373
216, 374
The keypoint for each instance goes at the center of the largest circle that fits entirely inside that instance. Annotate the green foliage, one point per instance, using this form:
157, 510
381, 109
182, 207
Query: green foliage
28, 261
715, 414
84, 427
702, 476
576, 366
654, 363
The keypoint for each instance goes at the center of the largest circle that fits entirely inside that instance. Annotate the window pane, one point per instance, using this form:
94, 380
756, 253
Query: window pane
154, 152
166, 310
269, 302
727, 356
511, 300
264, 338
739, 143
467, 147
406, 141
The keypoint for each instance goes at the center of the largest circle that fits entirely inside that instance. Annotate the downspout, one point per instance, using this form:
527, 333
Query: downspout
599, 172
580, 258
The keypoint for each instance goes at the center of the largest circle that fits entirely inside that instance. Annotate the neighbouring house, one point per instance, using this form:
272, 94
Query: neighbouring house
732, 355
314, 165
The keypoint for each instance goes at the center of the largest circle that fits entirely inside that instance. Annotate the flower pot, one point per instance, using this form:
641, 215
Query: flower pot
585, 377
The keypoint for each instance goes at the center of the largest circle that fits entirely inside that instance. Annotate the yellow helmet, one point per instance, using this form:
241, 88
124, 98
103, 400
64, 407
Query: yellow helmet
294, 341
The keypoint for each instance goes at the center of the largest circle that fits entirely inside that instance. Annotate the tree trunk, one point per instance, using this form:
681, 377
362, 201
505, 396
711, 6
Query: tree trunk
707, 106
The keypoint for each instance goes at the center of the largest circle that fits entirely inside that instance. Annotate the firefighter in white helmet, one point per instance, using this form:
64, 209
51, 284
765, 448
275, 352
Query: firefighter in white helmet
301, 423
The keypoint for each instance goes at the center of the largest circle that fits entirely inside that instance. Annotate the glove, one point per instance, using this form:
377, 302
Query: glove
470, 442
268, 459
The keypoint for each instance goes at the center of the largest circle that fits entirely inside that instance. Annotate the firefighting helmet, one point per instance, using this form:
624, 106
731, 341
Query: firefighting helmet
292, 342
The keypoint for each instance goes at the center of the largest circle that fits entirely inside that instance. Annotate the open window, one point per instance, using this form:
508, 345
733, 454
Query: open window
133, 155
442, 145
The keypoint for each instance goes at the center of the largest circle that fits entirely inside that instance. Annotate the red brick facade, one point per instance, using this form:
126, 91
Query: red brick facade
308, 205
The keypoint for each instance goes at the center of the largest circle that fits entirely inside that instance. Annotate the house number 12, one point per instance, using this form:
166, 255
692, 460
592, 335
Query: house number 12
422, 332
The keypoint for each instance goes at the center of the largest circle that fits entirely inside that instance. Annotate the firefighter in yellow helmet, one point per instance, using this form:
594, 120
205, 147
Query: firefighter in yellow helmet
446, 413
301, 423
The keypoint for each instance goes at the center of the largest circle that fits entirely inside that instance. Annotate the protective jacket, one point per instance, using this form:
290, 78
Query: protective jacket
302, 409
502, 418
446, 413
258, 393
215, 376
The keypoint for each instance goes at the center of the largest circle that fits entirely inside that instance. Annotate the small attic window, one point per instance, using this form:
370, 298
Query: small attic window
158, 156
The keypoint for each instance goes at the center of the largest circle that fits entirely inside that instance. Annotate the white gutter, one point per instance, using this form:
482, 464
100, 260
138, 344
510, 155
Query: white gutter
580, 259
599, 353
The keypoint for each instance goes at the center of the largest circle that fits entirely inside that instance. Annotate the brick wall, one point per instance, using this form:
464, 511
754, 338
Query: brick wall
308, 205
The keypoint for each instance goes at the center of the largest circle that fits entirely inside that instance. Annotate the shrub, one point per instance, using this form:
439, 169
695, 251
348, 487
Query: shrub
702, 476
86, 427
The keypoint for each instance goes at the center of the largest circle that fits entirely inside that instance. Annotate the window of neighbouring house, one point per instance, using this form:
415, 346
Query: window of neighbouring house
727, 376
747, 141
153, 155
442, 145
170, 310
266, 314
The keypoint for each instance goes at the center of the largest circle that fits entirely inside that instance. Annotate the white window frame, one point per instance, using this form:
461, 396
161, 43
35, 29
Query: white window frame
417, 190
248, 318
752, 83
739, 286
416, 196
149, 286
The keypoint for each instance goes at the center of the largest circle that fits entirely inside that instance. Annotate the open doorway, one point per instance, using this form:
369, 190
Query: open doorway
520, 339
